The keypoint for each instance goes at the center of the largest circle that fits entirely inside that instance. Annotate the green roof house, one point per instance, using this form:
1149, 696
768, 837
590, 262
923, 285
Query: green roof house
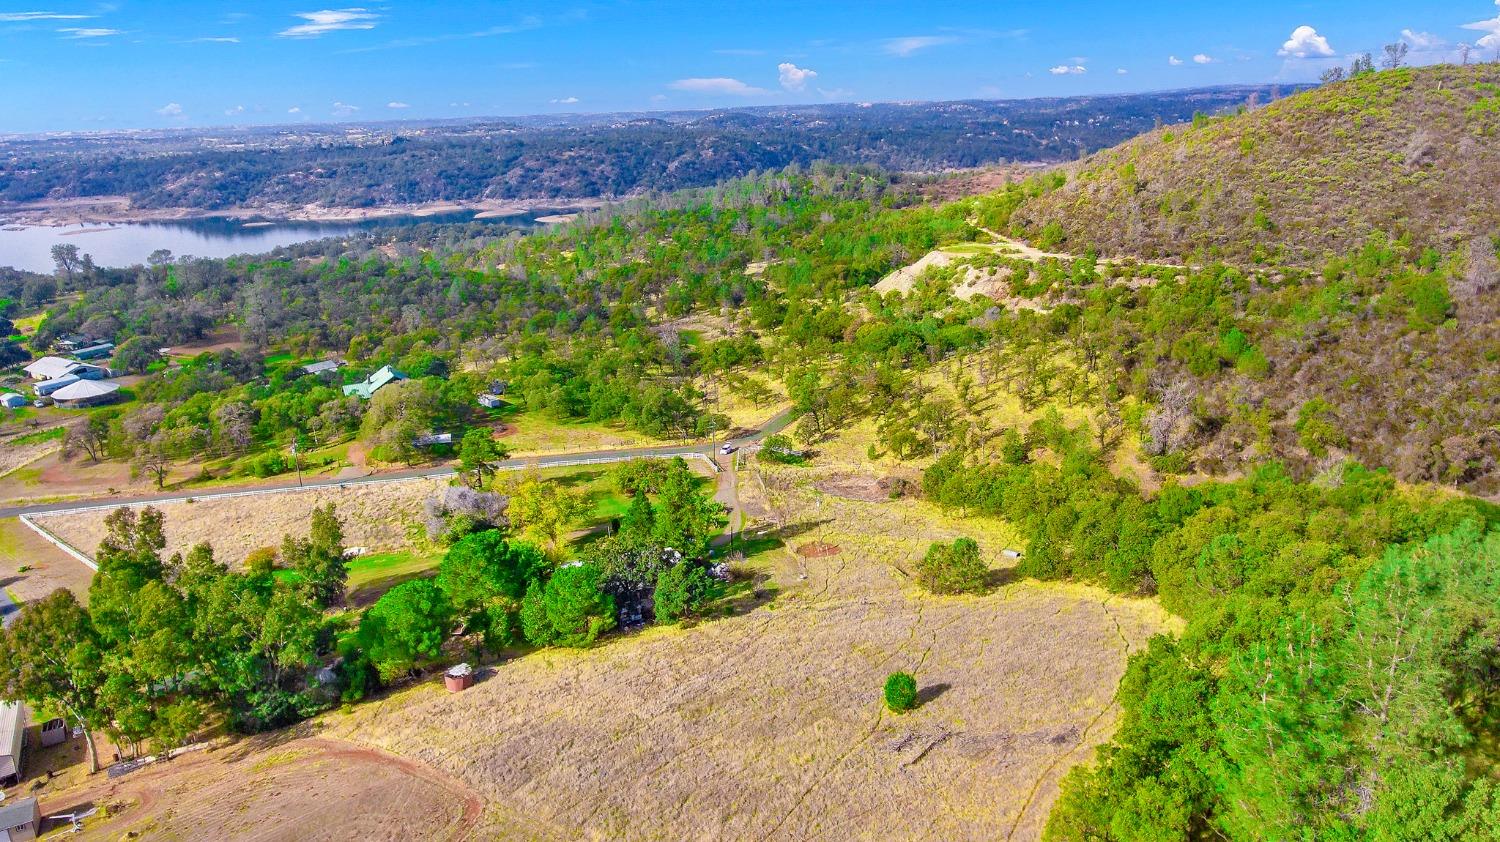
372, 384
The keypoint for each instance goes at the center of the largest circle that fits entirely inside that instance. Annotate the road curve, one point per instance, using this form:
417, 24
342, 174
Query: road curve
771, 427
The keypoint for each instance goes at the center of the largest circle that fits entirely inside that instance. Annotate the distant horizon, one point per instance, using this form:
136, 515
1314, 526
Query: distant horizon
88, 66
585, 115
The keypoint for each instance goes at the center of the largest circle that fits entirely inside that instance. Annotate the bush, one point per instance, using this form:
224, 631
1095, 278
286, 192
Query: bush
900, 692
681, 590
780, 449
269, 464
261, 561
571, 609
953, 568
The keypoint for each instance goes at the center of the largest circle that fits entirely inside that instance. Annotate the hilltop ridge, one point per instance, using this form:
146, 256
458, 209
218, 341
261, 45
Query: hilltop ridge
1412, 153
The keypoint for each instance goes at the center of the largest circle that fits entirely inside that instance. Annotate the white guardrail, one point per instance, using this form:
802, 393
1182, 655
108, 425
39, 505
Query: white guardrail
221, 495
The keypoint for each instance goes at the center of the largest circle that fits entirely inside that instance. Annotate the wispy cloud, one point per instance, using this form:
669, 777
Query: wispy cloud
296, 109
1068, 70
171, 109
794, 78
395, 104
20, 17
330, 20
1174, 60
89, 32
341, 109
215, 40
235, 111
717, 85
526, 23
910, 45
1203, 58
567, 100
1423, 41
1305, 42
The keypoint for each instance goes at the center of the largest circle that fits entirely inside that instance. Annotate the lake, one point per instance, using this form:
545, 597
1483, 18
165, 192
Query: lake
128, 243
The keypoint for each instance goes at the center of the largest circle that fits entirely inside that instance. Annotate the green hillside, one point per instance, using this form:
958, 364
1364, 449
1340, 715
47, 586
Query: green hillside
1412, 153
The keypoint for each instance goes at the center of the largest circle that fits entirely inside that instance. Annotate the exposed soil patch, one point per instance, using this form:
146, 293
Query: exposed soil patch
818, 549
864, 488
262, 790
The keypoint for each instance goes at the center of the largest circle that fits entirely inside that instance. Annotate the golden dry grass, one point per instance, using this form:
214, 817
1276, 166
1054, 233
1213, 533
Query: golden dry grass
374, 516
768, 724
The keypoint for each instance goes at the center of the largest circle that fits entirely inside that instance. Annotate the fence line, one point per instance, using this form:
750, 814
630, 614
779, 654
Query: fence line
58, 542
222, 495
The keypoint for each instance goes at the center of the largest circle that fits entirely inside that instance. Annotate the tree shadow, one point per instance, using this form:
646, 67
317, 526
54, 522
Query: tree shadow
996, 579
792, 530
931, 692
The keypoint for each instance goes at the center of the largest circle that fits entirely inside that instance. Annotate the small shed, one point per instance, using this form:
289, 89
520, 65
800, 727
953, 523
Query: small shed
12, 732
433, 439
20, 820
491, 400
103, 349
322, 367
85, 393
12, 400
458, 677
54, 731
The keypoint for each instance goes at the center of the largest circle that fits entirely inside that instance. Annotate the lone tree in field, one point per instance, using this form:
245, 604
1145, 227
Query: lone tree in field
953, 568
479, 456
900, 692
320, 558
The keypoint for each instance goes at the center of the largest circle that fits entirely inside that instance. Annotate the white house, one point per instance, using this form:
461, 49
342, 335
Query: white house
55, 368
20, 820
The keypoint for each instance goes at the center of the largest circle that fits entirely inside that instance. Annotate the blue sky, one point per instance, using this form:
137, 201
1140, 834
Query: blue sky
74, 64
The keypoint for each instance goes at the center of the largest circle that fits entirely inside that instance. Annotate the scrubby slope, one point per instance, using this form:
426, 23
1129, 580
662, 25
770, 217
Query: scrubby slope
1410, 152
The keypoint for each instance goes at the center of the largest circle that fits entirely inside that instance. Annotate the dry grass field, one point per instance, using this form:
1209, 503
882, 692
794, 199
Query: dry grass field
375, 516
767, 723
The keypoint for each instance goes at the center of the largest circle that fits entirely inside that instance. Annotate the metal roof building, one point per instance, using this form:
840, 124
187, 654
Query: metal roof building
12, 729
85, 393
374, 382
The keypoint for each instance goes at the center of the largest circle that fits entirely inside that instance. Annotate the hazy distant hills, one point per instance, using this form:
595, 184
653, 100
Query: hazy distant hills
581, 156
1412, 153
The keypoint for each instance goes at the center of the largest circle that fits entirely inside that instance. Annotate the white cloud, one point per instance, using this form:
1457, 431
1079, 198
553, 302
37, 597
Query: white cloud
330, 20
341, 109
214, 41
1120, 71
658, 97
171, 109
912, 44
395, 104
567, 100
1420, 41
1203, 58
1491, 26
237, 110
794, 78
296, 109
89, 32
1174, 60
718, 85
19, 17
1305, 42
1068, 70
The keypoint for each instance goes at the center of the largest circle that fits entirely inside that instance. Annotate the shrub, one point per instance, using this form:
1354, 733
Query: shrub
571, 609
779, 448
681, 590
260, 561
900, 692
953, 568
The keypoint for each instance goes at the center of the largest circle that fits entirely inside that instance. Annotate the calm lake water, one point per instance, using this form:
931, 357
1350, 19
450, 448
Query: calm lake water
128, 243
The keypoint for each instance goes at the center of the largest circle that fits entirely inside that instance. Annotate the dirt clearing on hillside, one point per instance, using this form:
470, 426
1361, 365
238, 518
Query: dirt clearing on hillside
375, 515
768, 723
303, 789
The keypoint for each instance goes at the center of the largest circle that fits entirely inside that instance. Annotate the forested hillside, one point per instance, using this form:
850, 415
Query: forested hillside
385, 164
1411, 153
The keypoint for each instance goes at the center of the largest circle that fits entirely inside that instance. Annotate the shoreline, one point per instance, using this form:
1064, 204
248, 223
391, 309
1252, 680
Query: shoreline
104, 210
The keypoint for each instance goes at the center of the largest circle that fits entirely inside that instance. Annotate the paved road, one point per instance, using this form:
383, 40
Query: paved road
771, 427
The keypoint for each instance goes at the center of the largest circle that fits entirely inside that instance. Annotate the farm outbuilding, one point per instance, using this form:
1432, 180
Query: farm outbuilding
12, 400
12, 733
54, 731
85, 393
20, 820
322, 367
49, 368
490, 400
103, 349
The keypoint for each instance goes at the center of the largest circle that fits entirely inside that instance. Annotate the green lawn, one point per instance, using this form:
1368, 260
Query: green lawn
379, 571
